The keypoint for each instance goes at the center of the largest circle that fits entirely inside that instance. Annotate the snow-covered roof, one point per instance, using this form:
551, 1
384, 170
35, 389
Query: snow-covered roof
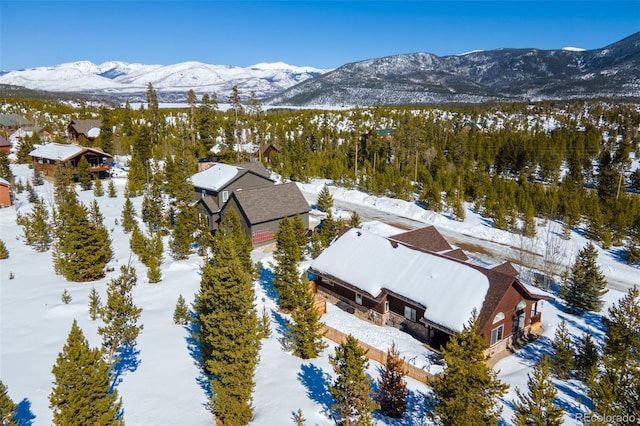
93, 132
57, 151
215, 177
449, 290
4, 182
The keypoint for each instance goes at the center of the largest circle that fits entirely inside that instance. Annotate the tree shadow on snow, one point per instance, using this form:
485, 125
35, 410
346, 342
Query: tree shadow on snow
316, 381
127, 360
281, 324
24, 416
532, 352
266, 281
575, 403
414, 413
592, 321
193, 346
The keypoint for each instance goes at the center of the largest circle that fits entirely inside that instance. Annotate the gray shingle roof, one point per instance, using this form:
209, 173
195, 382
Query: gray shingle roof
270, 203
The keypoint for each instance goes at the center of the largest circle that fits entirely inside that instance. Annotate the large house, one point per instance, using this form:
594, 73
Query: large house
419, 283
45, 158
77, 130
260, 202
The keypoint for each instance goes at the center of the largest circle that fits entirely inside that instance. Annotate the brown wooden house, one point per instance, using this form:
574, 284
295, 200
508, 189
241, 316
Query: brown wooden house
6, 198
247, 189
79, 130
429, 294
45, 158
5, 145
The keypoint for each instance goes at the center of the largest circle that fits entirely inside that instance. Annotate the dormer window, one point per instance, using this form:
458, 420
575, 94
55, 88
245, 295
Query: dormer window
225, 196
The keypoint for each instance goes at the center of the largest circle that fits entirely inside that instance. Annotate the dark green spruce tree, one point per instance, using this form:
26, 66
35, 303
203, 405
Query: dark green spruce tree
304, 334
181, 314
82, 393
111, 189
5, 169
586, 285
617, 391
467, 392
325, 200
120, 315
392, 387
94, 304
85, 177
182, 234
128, 216
7, 407
4, 253
287, 279
352, 388
537, 406
587, 358
563, 353
98, 190
228, 332
37, 228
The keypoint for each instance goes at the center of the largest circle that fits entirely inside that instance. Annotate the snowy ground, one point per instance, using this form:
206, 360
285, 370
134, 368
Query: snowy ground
163, 385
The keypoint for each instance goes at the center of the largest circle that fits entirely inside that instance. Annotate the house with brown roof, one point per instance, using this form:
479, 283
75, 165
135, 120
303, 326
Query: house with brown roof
6, 198
260, 202
89, 130
417, 282
45, 158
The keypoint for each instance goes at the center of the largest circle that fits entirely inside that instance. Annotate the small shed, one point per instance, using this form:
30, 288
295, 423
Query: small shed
5, 193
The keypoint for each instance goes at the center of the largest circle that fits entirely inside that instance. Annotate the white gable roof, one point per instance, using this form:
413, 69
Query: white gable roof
449, 290
4, 182
215, 177
56, 151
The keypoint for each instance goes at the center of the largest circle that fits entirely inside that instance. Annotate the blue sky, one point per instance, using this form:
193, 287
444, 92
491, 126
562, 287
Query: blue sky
322, 34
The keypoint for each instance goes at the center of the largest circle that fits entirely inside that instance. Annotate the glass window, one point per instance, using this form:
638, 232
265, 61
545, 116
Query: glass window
521, 305
410, 313
358, 298
499, 317
496, 335
225, 196
386, 306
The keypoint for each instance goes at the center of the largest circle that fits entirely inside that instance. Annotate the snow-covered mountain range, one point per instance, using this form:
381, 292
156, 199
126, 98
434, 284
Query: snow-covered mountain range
121, 80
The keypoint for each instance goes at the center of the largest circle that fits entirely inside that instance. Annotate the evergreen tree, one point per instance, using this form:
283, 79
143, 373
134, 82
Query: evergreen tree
139, 245
632, 251
25, 147
301, 234
154, 258
82, 246
98, 190
37, 229
264, 324
37, 178
563, 354
392, 387
587, 284
617, 391
298, 418
62, 179
33, 195
181, 314
5, 169
128, 216
354, 220
111, 189
66, 297
94, 304
243, 246
182, 235
287, 281
228, 332
7, 407
587, 358
119, 314
4, 253
468, 391
82, 393
85, 177
325, 200
304, 335
537, 407
351, 390
153, 204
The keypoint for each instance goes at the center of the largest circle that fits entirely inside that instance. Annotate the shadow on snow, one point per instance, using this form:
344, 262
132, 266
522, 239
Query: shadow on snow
193, 346
24, 416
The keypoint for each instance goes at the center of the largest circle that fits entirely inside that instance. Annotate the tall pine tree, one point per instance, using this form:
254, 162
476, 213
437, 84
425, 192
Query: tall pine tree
537, 406
351, 390
304, 334
7, 407
586, 285
392, 386
467, 392
82, 393
563, 354
287, 280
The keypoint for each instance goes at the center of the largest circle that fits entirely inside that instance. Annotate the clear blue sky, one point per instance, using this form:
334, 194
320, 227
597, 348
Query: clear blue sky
322, 34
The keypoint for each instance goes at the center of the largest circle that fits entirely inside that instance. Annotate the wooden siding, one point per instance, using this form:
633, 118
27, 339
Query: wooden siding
5, 196
507, 306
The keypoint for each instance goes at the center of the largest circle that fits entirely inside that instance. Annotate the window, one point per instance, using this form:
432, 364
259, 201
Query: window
410, 313
534, 309
521, 305
358, 298
499, 317
386, 306
203, 193
496, 334
225, 196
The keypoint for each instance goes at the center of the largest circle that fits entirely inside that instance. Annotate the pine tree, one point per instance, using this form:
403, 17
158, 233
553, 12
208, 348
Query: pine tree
287, 281
154, 257
181, 314
392, 387
119, 314
182, 235
128, 216
587, 358
37, 228
617, 391
304, 335
228, 332
4, 253
587, 284
264, 324
298, 418
37, 178
152, 212
632, 251
98, 190
82, 393
5, 169
354, 220
7, 407
537, 407
66, 297
94, 304
111, 189
85, 177
139, 245
325, 200
243, 246
351, 390
563, 354
468, 391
